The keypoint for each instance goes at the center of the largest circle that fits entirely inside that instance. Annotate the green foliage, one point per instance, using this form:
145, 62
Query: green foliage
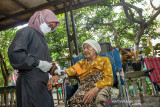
1, 79
6, 37
147, 51
151, 51
90, 23
57, 42
102, 14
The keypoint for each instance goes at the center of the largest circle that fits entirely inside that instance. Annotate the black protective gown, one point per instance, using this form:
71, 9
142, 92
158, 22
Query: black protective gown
25, 51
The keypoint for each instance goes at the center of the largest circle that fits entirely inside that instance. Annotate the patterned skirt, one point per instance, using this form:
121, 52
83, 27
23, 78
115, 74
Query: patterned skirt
100, 100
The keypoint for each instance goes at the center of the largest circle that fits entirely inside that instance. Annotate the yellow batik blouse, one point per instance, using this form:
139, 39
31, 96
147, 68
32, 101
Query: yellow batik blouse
101, 64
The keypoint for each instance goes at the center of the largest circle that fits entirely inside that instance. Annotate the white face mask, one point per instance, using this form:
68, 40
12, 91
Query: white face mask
44, 28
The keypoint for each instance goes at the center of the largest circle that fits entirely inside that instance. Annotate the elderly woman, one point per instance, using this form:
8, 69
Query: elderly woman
96, 78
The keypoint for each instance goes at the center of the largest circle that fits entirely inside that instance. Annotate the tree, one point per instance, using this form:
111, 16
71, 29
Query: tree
140, 19
6, 37
128, 25
104, 23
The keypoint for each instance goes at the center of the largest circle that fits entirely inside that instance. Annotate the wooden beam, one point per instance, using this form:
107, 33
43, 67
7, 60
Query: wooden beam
83, 4
1, 25
4, 13
32, 9
21, 4
49, 0
4, 27
52, 2
79, 1
55, 7
88, 3
18, 3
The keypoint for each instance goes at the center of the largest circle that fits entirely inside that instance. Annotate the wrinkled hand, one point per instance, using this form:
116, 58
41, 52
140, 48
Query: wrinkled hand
90, 95
52, 81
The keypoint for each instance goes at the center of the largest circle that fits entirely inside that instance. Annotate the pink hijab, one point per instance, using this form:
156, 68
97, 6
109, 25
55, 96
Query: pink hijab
36, 19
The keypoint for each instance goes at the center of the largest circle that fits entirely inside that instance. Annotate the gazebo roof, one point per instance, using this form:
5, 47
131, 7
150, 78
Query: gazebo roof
18, 12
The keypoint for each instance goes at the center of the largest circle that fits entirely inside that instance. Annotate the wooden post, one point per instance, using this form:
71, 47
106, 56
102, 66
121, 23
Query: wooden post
74, 28
68, 31
74, 36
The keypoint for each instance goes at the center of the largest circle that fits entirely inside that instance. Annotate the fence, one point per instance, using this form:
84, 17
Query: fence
8, 96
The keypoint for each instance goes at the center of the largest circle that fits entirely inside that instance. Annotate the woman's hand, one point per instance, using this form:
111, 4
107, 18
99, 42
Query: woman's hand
90, 95
52, 81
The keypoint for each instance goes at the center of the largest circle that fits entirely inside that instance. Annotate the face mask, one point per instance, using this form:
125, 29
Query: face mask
44, 28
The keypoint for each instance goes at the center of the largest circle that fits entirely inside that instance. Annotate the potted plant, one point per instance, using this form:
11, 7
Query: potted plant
135, 59
124, 61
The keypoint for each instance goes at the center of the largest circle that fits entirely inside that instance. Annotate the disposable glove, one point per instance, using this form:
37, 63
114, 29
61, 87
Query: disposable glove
60, 73
57, 71
44, 66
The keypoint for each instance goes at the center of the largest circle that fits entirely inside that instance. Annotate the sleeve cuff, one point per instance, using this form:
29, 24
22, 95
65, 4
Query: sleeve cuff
36, 63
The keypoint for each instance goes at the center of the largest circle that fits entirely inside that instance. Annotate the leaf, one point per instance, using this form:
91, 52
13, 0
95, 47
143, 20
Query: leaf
158, 51
157, 46
147, 51
150, 44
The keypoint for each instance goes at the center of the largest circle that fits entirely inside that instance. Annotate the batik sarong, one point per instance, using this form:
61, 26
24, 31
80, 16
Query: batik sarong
100, 99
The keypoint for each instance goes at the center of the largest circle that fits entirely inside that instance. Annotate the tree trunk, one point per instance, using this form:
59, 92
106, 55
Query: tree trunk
6, 81
4, 69
138, 37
